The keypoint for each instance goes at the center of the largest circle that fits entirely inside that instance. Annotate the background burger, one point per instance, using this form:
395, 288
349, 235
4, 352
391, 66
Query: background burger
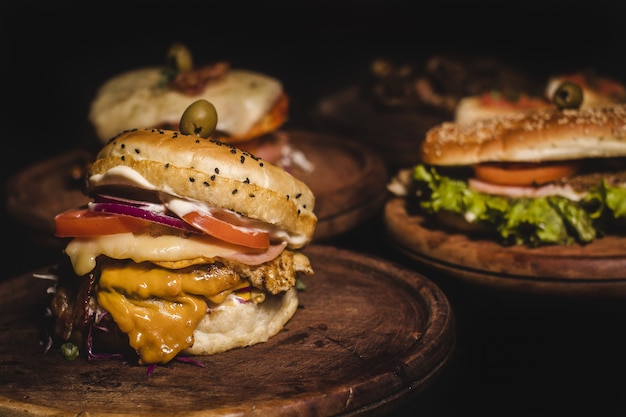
189, 246
597, 90
495, 103
547, 176
252, 106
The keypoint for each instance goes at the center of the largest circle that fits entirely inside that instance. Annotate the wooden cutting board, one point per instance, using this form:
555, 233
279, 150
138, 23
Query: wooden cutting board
349, 182
395, 135
596, 269
368, 336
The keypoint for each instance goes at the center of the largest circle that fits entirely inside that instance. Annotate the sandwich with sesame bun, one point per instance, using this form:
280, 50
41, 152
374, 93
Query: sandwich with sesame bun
189, 246
554, 176
252, 106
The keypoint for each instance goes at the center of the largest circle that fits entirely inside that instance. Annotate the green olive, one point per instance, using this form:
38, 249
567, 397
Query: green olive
568, 96
179, 58
199, 119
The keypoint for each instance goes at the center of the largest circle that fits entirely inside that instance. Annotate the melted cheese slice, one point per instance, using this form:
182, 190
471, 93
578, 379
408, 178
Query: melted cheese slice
138, 99
165, 248
159, 309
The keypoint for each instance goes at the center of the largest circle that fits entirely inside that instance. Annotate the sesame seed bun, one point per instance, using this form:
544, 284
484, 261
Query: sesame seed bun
536, 136
212, 172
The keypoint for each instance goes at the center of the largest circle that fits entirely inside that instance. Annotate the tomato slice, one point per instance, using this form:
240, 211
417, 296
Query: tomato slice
80, 222
228, 232
525, 173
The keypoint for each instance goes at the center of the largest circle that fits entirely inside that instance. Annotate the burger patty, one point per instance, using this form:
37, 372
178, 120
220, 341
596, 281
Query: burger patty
610, 170
74, 299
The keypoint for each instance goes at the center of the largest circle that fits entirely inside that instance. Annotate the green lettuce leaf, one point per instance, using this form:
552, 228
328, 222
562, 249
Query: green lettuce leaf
519, 221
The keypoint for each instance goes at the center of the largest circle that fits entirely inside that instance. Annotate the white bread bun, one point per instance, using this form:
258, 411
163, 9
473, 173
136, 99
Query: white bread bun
597, 91
233, 324
535, 136
212, 172
249, 104
476, 107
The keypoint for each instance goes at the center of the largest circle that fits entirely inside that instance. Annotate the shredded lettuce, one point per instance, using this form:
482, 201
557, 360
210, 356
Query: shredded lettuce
519, 221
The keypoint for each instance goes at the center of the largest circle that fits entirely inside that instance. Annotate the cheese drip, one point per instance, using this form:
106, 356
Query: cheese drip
158, 308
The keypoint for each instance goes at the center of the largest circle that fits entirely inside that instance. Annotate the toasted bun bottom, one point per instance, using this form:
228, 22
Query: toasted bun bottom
233, 324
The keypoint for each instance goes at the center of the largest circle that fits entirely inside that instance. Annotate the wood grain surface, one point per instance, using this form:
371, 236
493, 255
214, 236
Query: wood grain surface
367, 336
348, 181
395, 135
596, 269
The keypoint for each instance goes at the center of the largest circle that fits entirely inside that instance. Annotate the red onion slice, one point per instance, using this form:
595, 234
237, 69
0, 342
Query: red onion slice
140, 212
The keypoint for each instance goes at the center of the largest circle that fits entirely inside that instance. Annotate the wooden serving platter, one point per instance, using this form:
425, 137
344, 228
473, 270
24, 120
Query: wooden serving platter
368, 336
348, 181
395, 135
596, 269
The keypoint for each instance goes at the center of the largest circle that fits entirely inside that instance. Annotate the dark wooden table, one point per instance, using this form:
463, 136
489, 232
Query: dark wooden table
516, 354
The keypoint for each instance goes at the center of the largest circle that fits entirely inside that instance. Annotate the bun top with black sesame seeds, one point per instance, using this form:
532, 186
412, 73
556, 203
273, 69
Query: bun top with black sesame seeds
214, 173
536, 136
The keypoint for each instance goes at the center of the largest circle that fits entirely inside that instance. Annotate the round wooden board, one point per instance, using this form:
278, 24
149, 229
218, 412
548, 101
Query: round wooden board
367, 336
395, 135
597, 269
349, 183
349, 180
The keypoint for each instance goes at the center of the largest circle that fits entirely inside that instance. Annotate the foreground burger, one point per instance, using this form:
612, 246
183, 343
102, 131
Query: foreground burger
252, 106
550, 176
189, 247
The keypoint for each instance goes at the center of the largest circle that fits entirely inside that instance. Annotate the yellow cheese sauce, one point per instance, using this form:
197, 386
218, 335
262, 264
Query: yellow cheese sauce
158, 308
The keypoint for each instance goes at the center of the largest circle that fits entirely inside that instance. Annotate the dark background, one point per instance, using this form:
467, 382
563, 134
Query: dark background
517, 355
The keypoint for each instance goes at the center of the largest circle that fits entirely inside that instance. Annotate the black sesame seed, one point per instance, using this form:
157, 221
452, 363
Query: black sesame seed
298, 211
192, 179
235, 191
136, 150
197, 140
167, 165
206, 184
298, 195
287, 196
212, 177
251, 195
242, 159
123, 158
233, 151
247, 181
217, 170
261, 164
123, 145
304, 206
